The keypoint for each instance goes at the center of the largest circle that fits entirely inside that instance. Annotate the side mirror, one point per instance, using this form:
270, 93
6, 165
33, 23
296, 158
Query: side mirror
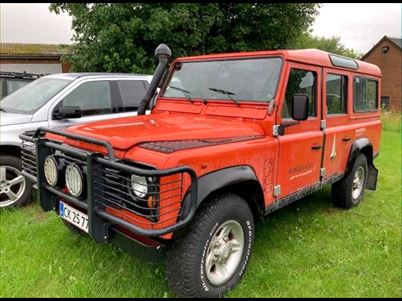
67, 112
300, 106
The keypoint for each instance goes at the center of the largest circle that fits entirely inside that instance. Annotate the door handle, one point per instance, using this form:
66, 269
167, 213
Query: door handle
346, 139
316, 147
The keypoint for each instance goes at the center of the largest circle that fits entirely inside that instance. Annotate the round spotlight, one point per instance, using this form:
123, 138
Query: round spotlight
139, 186
51, 170
74, 180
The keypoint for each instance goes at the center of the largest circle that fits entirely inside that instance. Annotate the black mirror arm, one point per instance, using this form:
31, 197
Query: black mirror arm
285, 124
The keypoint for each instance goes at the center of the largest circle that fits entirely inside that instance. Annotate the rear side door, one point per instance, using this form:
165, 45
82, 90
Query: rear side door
337, 90
129, 95
301, 145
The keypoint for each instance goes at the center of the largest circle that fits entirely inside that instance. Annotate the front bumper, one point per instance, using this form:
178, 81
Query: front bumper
100, 221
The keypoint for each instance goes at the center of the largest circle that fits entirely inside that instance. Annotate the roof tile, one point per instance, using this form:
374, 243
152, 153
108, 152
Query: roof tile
32, 50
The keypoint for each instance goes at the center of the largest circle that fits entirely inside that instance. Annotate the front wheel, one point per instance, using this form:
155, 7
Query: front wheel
15, 189
212, 257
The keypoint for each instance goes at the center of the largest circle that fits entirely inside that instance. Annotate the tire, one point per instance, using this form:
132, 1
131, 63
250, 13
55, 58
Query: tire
345, 193
189, 257
19, 193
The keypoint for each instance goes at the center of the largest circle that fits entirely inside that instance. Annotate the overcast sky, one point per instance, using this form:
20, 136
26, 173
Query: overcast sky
359, 25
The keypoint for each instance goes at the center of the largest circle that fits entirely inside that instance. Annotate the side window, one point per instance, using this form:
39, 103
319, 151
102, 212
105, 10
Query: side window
365, 95
92, 97
131, 92
336, 94
300, 81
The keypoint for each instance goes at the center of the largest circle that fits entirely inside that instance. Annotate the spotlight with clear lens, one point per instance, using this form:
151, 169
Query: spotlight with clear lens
74, 180
139, 186
51, 170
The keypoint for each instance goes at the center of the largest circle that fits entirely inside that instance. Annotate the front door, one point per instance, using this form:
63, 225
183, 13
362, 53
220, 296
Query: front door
95, 100
301, 145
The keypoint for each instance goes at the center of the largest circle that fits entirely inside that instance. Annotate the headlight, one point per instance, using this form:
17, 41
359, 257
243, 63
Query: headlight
74, 180
51, 171
139, 186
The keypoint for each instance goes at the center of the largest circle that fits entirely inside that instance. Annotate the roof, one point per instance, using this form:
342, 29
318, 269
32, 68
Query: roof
21, 50
310, 56
77, 75
396, 41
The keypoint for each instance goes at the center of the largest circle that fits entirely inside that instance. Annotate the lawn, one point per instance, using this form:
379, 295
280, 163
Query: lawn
308, 249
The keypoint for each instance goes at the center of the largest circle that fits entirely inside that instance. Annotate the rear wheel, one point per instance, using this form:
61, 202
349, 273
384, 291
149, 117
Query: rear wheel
212, 257
349, 191
15, 189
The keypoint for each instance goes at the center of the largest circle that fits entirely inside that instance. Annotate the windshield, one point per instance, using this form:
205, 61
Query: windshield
234, 80
31, 97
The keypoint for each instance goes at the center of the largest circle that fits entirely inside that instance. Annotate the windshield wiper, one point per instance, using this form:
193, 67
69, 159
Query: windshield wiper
227, 93
185, 92
1, 109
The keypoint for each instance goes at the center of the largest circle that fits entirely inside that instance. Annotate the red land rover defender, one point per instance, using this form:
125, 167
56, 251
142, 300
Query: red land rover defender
231, 138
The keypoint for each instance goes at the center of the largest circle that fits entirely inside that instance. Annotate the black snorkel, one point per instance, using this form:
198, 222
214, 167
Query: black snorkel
163, 53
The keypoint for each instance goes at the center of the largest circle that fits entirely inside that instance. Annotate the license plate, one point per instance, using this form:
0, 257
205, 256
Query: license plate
73, 216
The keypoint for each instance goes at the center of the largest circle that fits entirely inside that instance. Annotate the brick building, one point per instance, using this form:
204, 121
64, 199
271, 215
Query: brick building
387, 54
33, 58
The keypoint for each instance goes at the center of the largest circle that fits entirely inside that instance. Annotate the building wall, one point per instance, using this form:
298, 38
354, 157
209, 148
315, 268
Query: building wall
32, 68
390, 64
40, 66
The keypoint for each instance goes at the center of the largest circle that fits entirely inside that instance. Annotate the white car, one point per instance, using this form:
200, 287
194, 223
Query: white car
59, 101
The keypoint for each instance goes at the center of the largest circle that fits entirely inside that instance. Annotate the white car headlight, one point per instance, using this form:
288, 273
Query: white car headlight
139, 186
74, 180
51, 170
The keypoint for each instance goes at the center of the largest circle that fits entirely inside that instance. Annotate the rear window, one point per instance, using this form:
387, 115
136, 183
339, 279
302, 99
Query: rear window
132, 92
365, 95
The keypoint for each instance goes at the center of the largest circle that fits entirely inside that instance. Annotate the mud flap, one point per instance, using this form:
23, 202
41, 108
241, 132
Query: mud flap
372, 177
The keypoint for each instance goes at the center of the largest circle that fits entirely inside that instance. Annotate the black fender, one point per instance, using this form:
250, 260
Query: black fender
364, 146
216, 180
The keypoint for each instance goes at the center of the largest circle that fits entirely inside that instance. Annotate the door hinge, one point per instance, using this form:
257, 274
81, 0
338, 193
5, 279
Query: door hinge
277, 190
275, 130
323, 124
323, 172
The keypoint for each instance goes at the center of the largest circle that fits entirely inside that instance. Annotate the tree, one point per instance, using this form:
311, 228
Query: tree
122, 37
333, 45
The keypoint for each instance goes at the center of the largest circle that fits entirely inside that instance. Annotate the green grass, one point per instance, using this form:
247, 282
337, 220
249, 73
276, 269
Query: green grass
391, 120
308, 249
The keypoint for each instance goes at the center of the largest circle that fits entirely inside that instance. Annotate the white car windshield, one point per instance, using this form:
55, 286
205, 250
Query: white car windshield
232, 79
31, 97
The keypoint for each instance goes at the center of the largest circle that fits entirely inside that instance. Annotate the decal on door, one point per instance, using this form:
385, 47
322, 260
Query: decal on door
333, 152
301, 170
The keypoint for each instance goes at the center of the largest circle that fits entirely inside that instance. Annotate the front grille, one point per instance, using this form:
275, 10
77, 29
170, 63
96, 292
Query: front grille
162, 203
109, 198
28, 157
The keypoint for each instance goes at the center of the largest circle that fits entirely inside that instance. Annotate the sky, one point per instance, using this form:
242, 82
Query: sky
359, 25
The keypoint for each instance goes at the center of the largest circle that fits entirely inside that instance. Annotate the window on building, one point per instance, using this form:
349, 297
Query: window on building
365, 95
336, 94
384, 102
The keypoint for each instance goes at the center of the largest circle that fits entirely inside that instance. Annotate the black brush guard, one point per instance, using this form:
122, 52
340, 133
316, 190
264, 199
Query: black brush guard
99, 221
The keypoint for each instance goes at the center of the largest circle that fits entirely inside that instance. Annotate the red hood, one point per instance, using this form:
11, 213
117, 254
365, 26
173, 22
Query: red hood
124, 133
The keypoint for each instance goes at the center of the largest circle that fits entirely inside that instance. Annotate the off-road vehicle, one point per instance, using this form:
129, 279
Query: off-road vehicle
232, 137
12, 81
